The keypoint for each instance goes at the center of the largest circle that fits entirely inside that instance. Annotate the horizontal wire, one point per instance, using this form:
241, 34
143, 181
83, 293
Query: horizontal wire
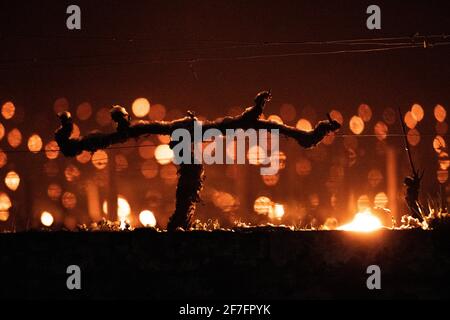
155, 144
241, 45
131, 38
236, 58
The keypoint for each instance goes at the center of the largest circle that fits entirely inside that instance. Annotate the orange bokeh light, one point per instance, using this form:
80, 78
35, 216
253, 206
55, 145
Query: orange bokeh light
356, 125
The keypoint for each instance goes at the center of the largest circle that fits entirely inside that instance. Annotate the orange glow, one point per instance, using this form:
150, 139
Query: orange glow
281, 157
256, 155
123, 208
303, 167
15, 138
270, 180
444, 160
51, 168
438, 144
304, 125
365, 112
413, 137
140, 107
146, 149
164, 138
410, 120
54, 191
72, 173
121, 162
441, 128
356, 125
147, 218
224, 201
47, 218
12, 180
363, 203
60, 105
440, 113
100, 159
417, 112
363, 222
275, 118
2, 131
84, 111
381, 200
5, 202
4, 215
84, 157
51, 150
336, 115
262, 205
69, 200
103, 117
381, 130
288, 112
8, 110
3, 159
329, 138
276, 211
157, 112
163, 154
35, 143
442, 176
75, 132
149, 169
169, 174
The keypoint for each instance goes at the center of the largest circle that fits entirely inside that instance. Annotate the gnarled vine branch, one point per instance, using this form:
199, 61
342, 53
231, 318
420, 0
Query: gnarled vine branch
190, 175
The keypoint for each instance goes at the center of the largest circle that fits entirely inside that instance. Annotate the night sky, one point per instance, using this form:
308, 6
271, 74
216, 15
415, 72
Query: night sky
130, 49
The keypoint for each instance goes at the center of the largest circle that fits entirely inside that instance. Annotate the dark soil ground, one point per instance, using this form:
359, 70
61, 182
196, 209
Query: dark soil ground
225, 265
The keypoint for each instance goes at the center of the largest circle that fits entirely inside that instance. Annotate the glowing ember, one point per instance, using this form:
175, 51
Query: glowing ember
363, 222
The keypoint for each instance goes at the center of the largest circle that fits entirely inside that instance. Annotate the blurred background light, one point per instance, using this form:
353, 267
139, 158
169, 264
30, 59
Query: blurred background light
47, 218
8, 110
163, 154
140, 107
147, 218
35, 143
356, 125
12, 180
15, 138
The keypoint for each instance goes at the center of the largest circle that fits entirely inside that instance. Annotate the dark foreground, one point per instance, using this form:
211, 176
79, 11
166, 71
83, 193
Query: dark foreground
225, 265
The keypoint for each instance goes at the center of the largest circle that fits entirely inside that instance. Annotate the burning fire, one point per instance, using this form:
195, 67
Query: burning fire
363, 222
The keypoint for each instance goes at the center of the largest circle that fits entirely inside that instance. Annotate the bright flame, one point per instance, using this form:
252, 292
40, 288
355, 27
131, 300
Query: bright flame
147, 218
123, 208
46, 218
276, 212
363, 222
